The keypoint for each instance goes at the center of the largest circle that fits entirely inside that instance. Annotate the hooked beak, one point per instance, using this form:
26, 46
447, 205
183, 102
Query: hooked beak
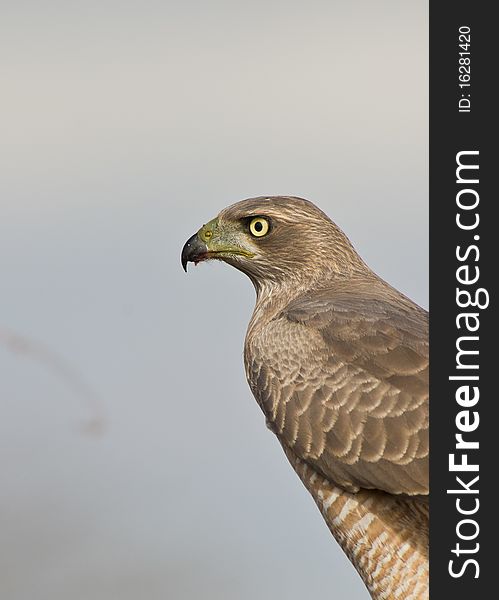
194, 250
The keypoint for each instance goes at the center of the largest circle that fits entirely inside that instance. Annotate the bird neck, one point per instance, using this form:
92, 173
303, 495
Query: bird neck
273, 295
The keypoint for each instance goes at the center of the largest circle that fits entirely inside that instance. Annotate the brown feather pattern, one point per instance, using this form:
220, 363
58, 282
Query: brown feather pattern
338, 362
351, 402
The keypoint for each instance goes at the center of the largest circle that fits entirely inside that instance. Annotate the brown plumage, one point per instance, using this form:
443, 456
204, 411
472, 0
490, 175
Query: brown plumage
338, 361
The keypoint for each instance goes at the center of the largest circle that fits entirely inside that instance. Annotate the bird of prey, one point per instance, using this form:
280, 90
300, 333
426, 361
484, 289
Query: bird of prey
337, 360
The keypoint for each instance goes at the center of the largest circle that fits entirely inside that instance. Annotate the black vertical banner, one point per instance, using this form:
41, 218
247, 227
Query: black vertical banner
464, 338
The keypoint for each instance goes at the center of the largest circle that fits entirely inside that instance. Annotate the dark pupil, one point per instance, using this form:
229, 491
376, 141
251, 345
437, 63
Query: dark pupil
258, 226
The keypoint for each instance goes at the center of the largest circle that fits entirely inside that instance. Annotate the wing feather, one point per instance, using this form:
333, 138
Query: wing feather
353, 362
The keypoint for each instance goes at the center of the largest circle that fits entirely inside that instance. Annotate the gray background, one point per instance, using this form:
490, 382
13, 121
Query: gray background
124, 127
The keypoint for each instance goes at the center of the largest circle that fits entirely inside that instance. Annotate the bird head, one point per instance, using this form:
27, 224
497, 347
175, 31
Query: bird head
272, 239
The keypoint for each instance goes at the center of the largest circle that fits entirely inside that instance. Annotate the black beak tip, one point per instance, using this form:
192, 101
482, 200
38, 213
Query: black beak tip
192, 251
184, 259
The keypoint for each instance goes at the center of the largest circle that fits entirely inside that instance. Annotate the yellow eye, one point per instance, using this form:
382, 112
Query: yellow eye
259, 227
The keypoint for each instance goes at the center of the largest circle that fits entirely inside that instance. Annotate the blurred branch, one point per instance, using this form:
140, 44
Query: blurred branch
23, 346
